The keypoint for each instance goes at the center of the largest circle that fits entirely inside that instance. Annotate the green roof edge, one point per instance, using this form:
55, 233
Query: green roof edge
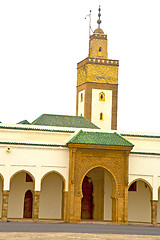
74, 136
37, 129
131, 144
34, 122
34, 144
139, 135
145, 153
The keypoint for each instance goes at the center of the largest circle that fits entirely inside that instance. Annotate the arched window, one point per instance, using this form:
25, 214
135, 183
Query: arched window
101, 116
102, 96
100, 54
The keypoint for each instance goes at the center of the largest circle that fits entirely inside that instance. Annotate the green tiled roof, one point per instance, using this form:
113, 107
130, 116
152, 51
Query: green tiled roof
24, 122
100, 138
64, 121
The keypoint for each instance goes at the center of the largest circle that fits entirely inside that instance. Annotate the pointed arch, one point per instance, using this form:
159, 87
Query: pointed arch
18, 187
139, 201
96, 201
113, 179
51, 203
22, 171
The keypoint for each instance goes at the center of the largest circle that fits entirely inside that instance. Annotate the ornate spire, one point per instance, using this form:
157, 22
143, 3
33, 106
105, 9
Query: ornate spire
99, 15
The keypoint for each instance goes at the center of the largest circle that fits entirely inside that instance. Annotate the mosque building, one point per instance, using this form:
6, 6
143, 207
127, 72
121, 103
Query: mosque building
80, 167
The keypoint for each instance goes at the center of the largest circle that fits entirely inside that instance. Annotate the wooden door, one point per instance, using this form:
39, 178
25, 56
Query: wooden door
28, 201
87, 200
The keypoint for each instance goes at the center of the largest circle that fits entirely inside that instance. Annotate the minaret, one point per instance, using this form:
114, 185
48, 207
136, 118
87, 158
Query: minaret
97, 83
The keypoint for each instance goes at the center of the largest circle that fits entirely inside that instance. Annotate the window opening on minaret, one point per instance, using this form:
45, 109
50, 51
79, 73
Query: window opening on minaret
101, 116
81, 97
102, 97
100, 54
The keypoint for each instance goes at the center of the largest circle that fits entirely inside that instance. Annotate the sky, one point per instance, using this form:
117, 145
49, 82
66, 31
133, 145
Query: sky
41, 42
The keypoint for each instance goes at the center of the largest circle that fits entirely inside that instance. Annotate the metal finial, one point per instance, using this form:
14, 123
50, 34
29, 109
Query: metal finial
99, 15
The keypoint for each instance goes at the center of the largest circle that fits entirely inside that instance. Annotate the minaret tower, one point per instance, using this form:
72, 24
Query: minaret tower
97, 83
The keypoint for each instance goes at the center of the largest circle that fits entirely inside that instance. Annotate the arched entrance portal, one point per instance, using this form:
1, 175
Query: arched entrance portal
97, 190
28, 204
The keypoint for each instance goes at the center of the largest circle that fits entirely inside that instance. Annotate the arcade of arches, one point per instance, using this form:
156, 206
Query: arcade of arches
97, 201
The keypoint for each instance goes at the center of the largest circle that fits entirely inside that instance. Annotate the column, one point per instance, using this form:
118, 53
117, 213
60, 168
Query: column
120, 207
5, 195
36, 196
71, 197
65, 206
154, 212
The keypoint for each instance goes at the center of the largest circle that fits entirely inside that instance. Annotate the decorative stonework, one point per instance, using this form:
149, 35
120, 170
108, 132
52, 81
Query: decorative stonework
85, 158
97, 73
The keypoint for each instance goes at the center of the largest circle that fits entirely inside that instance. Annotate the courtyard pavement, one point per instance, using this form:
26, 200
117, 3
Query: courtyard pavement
73, 236
82, 231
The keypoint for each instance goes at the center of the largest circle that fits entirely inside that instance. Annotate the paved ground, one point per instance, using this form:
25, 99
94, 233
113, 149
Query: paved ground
72, 236
76, 231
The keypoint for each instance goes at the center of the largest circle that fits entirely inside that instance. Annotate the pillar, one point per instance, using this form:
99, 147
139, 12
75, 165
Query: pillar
74, 199
5, 195
65, 206
36, 196
154, 212
120, 208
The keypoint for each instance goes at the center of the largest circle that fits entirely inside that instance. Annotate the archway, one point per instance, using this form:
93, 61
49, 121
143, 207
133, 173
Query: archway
97, 188
20, 183
51, 196
28, 204
139, 201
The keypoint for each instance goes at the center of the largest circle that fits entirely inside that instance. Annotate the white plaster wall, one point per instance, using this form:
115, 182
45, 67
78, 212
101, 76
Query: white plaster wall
139, 204
145, 144
107, 197
32, 136
50, 206
1, 186
102, 106
16, 196
81, 104
36, 160
147, 167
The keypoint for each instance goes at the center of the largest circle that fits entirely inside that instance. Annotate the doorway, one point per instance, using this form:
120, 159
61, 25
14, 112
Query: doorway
87, 200
28, 202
